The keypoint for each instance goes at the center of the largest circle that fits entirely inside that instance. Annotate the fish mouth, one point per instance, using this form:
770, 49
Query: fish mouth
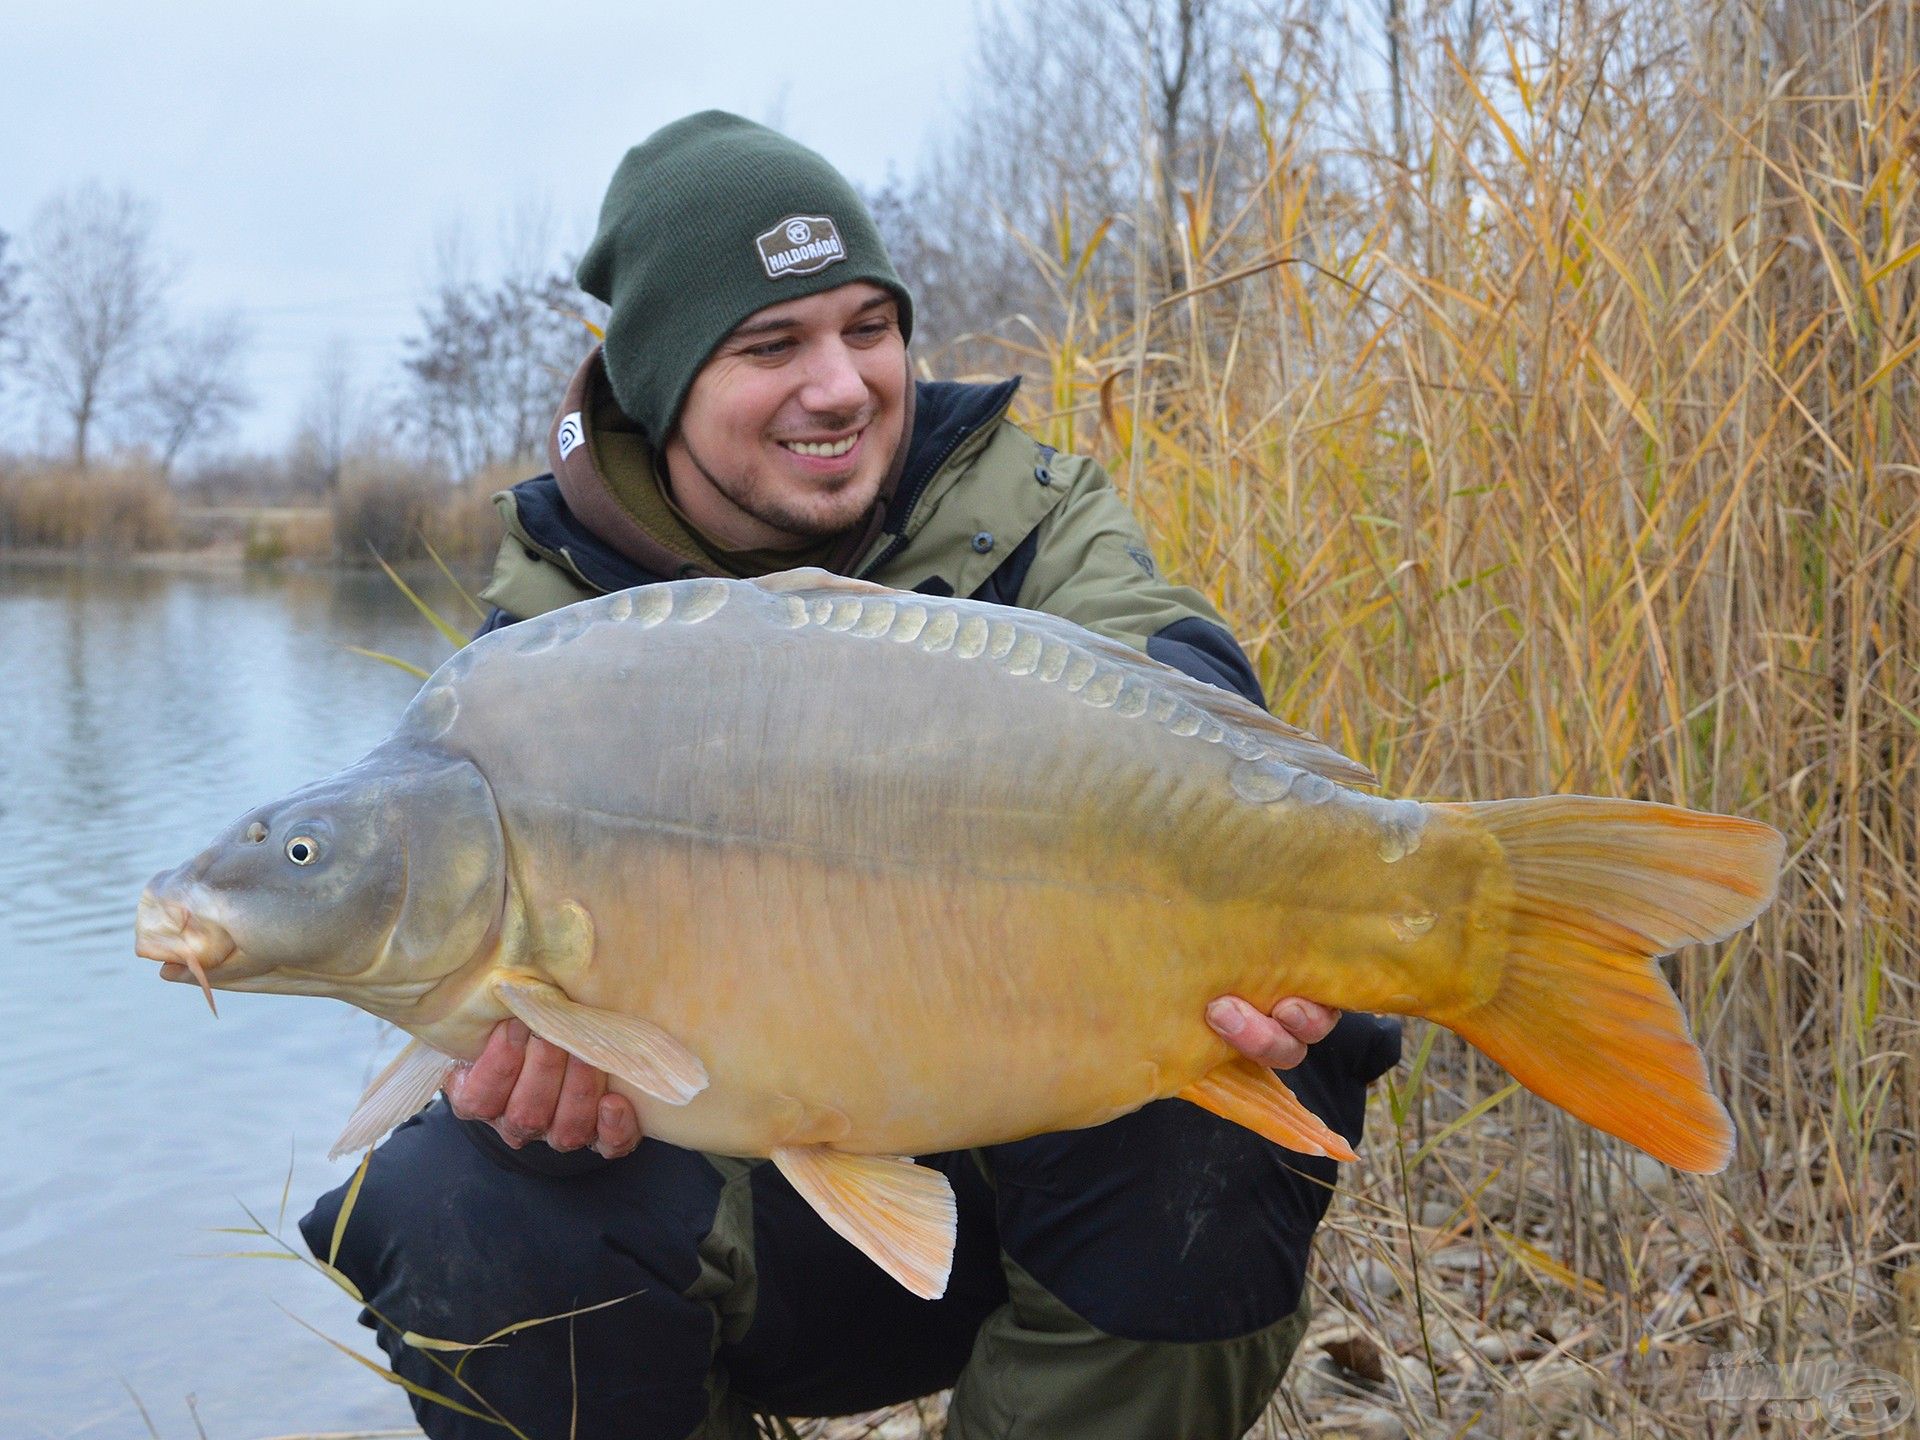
186, 942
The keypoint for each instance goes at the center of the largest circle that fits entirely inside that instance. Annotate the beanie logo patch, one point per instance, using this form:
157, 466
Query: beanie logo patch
800, 245
571, 434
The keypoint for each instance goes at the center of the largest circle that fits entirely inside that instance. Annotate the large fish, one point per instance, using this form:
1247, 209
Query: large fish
837, 875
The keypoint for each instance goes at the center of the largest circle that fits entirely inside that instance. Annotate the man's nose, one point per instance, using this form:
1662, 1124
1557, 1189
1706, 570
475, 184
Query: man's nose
834, 384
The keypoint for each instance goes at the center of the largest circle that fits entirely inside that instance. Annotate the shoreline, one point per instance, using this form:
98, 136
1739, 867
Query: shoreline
226, 559
212, 559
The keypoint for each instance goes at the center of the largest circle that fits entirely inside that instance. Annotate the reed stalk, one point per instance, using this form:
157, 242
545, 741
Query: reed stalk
1582, 453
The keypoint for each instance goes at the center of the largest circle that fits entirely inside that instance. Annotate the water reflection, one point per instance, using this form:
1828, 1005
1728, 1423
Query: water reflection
140, 711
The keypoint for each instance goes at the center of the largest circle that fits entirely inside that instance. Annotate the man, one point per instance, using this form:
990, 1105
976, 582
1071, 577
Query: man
752, 410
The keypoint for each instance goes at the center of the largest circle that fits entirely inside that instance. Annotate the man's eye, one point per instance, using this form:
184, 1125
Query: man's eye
770, 349
873, 330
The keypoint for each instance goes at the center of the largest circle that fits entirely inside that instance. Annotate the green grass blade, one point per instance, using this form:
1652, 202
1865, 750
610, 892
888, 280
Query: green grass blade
410, 1386
479, 611
346, 1208
451, 633
394, 660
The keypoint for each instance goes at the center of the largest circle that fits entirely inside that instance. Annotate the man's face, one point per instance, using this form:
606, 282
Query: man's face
793, 422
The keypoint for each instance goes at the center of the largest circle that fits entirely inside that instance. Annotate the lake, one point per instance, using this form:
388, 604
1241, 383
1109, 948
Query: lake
143, 710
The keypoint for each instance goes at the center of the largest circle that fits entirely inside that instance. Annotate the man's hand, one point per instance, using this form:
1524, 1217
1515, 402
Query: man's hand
1278, 1041
529, 1089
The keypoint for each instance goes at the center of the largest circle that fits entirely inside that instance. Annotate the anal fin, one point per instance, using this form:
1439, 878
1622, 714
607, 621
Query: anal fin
642, 1054
1253, 1096
898, 1214
407, 1084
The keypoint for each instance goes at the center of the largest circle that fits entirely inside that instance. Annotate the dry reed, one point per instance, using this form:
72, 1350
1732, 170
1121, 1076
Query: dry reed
101, 510
1582, 453
400, 511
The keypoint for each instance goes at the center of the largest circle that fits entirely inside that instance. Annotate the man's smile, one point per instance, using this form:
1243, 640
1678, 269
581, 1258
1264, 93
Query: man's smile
823, 449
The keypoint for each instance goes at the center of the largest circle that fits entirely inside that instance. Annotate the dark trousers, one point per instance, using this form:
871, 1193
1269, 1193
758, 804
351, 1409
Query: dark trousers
1142, 1278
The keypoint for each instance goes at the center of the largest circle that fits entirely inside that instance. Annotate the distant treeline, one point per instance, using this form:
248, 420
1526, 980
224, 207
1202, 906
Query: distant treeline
144, 405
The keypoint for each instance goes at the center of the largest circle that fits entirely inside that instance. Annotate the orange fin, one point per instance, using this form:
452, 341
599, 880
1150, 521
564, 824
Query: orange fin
1581, 1014
1253, 1096
898, 1214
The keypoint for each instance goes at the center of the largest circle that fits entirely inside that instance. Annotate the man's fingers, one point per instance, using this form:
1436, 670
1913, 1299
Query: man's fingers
1262, 1038
1306, 1021
576, 1118
536, 1094
619, 1127
482, 1089
529, 1089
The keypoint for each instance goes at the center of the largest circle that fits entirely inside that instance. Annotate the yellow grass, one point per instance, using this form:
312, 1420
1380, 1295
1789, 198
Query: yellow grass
1581, 452
401, 513
102, 510
1585, 456
389, 507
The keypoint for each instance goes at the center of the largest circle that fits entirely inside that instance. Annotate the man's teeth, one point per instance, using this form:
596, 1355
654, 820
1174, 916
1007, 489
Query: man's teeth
826, 451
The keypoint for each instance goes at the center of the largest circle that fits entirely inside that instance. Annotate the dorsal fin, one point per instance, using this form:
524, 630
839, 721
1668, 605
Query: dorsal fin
812, 580
1287, 743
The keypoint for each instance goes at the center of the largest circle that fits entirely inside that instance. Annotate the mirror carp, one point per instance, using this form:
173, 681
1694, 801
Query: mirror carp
836, 875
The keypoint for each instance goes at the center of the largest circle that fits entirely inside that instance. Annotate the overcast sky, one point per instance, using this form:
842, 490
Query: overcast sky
303, 157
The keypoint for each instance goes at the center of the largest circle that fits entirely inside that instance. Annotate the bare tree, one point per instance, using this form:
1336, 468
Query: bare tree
12, 305
492, 360
1081, 111
194, 391
334, 423
98, 287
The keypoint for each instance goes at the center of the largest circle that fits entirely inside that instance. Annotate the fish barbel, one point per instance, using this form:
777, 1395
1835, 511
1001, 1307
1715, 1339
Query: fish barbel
834, 874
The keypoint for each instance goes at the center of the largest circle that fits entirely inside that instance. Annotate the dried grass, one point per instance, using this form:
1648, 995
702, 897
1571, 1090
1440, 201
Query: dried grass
1583, 454
102, 510
400, 512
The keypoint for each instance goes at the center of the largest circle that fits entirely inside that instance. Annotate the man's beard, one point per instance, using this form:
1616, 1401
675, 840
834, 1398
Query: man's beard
804, 524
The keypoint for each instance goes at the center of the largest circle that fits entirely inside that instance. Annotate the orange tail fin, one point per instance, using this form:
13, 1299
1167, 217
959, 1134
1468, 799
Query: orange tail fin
1582, 1015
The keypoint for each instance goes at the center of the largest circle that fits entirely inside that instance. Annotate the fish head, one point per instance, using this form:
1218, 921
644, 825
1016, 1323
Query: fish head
372, 885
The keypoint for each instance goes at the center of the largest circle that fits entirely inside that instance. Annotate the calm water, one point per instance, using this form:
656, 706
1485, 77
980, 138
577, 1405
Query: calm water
139, 712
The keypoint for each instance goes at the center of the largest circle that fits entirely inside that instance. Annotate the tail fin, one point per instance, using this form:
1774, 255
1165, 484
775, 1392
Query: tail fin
1582, 1015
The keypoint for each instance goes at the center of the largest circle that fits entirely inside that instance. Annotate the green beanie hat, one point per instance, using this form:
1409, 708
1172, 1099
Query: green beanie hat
708, 220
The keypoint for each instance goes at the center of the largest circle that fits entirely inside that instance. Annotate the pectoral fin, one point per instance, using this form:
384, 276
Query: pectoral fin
643, 1055
408, 1082
898, 1214
1252, 1095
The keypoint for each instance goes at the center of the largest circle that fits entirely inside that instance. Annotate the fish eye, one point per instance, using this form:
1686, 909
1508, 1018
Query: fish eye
303, 850
256, 832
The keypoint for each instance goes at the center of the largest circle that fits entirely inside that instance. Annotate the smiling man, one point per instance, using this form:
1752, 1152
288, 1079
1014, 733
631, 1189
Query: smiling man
752, 410
794, 445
